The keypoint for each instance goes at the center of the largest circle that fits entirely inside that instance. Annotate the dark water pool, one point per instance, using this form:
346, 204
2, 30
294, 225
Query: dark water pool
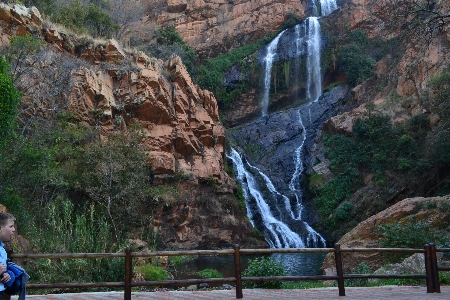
297, 264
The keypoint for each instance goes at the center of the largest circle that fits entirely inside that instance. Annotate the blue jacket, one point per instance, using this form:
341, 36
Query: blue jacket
19, 282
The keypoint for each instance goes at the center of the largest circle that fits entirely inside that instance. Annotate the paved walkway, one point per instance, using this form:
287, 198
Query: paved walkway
355, 293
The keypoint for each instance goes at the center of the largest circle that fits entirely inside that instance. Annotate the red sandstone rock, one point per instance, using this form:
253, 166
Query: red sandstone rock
366, 234
216, 26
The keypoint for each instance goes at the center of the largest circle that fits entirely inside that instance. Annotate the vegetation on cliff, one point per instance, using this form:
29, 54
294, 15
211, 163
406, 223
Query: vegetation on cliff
410, 158
75, 188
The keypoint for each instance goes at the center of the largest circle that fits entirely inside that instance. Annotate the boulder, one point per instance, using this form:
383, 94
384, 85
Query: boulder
366, 234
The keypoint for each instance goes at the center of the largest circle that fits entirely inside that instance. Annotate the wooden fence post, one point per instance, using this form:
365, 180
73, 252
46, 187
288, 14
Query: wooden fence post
339, 270
128, 274
434, 269
428, 269
237, 271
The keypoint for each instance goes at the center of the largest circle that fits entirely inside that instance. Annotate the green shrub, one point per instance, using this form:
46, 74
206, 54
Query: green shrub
332, 193
291, 21
264, 266
85, 18
99, 23
178, 260
240, 197
413, 234
169, 42
362, 268
209, 273
65, 231
71, 15
356, 65
343, 212
444, 278
152, 273
315, 180
9, 101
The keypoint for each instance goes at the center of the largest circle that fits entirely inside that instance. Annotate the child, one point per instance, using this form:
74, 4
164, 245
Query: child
6, 231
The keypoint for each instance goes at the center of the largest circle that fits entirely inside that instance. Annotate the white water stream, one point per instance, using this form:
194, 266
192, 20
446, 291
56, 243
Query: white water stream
268, 62
327, 7
278, 234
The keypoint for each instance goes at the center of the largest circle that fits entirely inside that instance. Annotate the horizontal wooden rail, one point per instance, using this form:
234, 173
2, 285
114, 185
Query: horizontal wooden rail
442, 249
380, 276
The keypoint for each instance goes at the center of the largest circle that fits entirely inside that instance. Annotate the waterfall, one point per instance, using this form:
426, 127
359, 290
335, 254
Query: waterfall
327, 7
268, 61
294, 184
324, 8
279, 224
280, 235
313, 76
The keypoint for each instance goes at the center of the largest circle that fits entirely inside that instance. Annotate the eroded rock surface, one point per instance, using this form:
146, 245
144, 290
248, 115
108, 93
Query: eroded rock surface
366, 234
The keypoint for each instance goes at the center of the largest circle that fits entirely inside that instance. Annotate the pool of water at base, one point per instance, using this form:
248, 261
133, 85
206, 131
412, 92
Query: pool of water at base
296, 264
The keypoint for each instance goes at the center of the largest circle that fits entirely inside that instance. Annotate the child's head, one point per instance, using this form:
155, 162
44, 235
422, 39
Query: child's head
6, 226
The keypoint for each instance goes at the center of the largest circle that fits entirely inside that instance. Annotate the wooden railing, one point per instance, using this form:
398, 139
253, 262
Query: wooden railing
431, 268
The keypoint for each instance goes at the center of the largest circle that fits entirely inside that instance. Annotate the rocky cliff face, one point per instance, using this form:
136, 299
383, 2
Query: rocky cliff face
183, 133
180, 120
272, 144
214, 27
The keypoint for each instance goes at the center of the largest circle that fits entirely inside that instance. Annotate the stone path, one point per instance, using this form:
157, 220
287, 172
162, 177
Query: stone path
352, 293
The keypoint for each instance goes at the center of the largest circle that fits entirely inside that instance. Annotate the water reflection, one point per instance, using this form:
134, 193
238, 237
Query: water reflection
296, 264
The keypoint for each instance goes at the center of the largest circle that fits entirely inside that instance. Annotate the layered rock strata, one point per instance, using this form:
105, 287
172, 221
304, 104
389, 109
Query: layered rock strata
180, 120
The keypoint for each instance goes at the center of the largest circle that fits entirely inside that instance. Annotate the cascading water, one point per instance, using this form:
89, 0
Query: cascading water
278, 223
268, 61
312, 37
313, 76
327, 7
278, 234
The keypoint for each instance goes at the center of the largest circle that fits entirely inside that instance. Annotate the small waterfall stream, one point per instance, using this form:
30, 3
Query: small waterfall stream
327, 7
268, 61
314, 76
279, 219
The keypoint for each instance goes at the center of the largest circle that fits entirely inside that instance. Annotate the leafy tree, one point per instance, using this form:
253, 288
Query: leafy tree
72, 15
439, 103
114, 174
82, 17
46, 7
9, 100
99, 23
356, 65
168, 36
